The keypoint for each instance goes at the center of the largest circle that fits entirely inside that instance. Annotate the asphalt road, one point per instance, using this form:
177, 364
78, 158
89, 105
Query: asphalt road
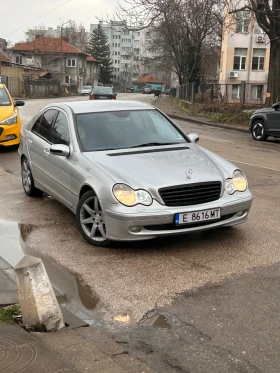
218, 291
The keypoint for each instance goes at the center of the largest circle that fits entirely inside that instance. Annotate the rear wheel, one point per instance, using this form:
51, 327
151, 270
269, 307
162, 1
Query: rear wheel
28, 181
258, 131
90, 220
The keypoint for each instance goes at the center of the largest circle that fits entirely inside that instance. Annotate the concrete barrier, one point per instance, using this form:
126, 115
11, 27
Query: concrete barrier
38, 303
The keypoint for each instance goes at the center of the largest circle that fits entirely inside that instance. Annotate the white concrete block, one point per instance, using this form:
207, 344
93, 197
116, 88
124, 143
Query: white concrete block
38, 303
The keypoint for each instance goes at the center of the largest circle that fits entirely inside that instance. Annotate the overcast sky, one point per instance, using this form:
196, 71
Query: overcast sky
15, 15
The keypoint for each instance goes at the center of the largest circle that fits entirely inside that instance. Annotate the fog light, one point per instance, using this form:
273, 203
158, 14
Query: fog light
135, 229
9, 137
240, 213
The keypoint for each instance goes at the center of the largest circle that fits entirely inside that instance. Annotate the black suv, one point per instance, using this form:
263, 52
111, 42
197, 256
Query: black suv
265, 122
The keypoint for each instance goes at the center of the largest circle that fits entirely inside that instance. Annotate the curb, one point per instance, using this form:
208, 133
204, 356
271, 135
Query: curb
201, 122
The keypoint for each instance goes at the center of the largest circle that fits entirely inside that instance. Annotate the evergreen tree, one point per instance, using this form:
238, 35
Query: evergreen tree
100, 49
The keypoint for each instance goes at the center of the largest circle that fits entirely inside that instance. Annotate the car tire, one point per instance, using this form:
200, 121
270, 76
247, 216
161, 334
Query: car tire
258, 131
90, 220
28, 181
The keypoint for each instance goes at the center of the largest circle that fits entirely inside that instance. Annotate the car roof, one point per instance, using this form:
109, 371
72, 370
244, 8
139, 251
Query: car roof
102, 106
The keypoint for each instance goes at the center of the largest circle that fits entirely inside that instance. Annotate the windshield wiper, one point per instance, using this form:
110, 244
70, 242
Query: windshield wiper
154, 144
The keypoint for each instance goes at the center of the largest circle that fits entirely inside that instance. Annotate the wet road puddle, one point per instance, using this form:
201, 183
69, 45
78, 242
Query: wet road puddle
71, 291
154, 319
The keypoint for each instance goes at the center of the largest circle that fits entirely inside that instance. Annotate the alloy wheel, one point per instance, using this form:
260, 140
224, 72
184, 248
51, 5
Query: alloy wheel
258, 131
91, 219
26, 176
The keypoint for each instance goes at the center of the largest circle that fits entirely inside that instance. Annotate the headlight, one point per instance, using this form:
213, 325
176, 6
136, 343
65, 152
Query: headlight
130, 197
238, 183
9, 121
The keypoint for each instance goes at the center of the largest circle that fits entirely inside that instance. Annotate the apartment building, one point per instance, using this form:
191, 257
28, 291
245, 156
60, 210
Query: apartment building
127, 48
244, 60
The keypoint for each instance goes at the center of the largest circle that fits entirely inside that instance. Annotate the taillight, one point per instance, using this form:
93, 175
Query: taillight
113, 97
91, 97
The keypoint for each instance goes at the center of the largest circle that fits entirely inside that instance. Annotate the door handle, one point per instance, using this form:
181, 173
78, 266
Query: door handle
46, 151
29, 140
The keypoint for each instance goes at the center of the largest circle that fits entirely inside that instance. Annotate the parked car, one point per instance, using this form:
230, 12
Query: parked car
265, 122
129, 172
103, 93
86, 90
147, 90
9, 118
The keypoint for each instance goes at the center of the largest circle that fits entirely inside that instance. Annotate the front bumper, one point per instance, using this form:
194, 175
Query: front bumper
143, 225
9, 135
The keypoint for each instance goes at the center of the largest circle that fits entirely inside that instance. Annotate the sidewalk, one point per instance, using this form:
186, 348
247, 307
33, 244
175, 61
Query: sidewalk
166, 104
76, 348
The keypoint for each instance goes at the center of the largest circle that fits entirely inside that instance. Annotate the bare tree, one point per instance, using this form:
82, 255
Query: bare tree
267, 15
74, 34
182, 28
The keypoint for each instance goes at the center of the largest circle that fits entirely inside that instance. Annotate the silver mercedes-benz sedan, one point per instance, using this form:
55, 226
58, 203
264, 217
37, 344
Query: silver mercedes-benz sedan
129, 172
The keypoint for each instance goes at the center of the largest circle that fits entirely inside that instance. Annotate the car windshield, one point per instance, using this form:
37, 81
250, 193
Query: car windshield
126, 129
4, 98
86, 87
103, 91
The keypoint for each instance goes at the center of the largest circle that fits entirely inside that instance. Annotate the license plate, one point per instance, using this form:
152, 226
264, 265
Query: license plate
103, 97
197, 216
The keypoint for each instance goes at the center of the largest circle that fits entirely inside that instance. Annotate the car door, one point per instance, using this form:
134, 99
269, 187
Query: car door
273, 122
39, 142
59, 168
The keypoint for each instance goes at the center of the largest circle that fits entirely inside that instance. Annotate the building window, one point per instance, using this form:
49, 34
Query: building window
256, 92
115, 61
119, 53
71, 62
19, 60
258, 59
235, 93
70, 79
242, 21
239, 62
126, 32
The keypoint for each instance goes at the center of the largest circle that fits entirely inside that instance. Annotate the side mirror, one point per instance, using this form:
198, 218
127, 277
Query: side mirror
193, 137
19, 103
60, 149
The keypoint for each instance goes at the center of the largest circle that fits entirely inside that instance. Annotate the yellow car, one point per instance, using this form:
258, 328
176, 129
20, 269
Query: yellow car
9, 118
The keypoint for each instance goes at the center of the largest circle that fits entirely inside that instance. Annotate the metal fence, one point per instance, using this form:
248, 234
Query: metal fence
243, 93
41, 87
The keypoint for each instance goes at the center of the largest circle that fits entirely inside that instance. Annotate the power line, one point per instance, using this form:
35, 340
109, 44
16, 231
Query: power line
39, 17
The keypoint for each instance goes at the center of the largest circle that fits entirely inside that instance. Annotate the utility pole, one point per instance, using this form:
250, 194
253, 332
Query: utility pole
61, 59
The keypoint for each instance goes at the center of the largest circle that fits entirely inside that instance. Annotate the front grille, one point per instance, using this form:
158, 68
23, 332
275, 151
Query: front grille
1, 130
191, 194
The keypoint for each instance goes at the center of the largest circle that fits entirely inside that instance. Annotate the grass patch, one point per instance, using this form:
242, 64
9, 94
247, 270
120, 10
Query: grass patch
222, 113
7, 313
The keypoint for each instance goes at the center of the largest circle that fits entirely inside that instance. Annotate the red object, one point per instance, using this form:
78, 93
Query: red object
92, 97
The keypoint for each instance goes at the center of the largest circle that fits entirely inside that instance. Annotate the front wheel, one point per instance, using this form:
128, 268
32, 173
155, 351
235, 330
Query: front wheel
258, 131
28, 181
90, 220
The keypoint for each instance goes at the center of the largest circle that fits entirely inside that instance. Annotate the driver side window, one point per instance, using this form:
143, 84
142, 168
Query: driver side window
60, 133
43, 125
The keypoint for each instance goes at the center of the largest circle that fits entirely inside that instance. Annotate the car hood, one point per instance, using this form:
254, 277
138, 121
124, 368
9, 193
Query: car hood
6, 112
264, 110
159, 167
